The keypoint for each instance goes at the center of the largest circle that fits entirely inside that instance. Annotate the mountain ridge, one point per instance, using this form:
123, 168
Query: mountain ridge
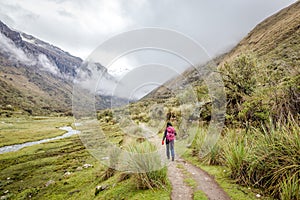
36, 77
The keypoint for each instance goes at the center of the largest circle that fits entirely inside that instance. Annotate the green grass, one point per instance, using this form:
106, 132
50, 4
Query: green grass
17, 130
25, 173
127, 190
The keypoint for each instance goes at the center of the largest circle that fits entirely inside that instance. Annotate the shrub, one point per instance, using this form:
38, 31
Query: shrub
239, 79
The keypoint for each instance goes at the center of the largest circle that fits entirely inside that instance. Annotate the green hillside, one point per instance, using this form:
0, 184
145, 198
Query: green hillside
31, 92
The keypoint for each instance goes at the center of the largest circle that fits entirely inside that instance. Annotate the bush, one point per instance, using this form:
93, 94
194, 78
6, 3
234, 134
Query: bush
267, 158
240, 80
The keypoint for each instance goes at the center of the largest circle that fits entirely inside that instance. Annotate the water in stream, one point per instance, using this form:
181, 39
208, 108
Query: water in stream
17, 147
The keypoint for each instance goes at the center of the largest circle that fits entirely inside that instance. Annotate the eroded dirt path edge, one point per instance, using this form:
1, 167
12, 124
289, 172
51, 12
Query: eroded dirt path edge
205, 182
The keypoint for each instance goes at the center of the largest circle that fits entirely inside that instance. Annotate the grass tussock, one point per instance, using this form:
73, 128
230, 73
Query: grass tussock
144, 166
267, 158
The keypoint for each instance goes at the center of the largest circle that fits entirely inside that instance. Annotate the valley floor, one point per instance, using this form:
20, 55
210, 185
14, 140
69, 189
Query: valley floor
64, 169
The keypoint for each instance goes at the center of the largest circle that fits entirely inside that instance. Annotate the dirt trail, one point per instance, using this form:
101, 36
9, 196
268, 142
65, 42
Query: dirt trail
180, 190
205, 182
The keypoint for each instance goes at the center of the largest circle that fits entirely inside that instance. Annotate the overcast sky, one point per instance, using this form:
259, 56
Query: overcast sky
80, 26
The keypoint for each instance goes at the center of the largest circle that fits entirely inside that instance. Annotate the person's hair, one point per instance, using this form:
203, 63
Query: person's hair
169, 124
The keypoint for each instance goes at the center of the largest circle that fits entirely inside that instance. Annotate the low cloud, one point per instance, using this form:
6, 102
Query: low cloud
79, 26
8, 47
95, 78
15, 54
47, 65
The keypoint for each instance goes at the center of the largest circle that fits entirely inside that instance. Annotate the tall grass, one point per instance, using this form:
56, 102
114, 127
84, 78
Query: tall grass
211, 155
113, 161
268, 159
235, 154
144, 165
265, 158
275, 160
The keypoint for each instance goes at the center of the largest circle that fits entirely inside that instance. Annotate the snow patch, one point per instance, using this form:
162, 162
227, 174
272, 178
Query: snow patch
32, 41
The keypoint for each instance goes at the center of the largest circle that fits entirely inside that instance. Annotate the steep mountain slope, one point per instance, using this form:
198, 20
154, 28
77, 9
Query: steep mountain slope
37, 77
278, 30
261, 74
24, 47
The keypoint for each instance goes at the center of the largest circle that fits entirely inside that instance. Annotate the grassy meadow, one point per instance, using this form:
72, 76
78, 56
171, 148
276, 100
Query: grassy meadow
63, 169
17, 130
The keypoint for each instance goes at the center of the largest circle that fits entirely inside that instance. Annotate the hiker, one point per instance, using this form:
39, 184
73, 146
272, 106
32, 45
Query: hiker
169, 135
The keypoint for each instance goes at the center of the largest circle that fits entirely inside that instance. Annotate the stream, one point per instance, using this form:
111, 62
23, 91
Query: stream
16, 147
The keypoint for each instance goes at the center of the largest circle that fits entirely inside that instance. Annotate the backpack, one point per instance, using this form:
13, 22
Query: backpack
170, 133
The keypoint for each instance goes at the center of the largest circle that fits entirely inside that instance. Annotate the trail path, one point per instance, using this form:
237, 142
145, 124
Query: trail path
205, 182
180, 190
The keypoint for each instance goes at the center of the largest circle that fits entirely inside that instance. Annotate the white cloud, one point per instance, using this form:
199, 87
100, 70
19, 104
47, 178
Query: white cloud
75, 26
47, 65
14, 53
80, 26
8, 47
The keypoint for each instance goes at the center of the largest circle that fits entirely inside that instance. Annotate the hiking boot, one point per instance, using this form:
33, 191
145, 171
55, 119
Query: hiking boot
172, 158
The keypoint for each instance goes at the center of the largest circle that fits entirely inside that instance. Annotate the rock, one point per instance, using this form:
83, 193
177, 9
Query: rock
67, 174
3, 197
100, 188
79, 169
7, 191
50, 182
258, 195
87, 165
